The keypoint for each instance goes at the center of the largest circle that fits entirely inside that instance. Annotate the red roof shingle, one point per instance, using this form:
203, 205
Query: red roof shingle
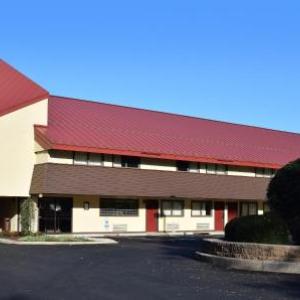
97, 127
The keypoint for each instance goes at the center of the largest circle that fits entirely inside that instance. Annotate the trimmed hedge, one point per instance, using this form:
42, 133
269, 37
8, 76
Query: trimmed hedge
268, 229
284, 197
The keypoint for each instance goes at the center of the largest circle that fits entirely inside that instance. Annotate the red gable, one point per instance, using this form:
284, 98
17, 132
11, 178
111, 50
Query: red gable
96, 127
16, 90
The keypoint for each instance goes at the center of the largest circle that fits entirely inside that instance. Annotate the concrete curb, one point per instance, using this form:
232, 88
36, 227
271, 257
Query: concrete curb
102, 241
251, 265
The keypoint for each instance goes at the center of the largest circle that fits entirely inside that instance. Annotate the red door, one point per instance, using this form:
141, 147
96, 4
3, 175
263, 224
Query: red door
219, 216
232, 211
152, 215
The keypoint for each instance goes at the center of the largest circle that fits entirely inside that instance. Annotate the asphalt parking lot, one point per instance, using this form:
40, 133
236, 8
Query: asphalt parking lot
136, 268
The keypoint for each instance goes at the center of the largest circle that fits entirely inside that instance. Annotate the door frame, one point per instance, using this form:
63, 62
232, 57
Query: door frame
147, 202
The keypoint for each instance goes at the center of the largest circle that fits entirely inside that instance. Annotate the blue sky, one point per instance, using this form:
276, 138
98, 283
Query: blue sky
236, 61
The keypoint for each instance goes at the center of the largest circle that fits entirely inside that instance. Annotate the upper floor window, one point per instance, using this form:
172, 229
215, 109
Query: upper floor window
182, 165
130, 161
80, 158
214, 169
95, 159
264, 172
91, 159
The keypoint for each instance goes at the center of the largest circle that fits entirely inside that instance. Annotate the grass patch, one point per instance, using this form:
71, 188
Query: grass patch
49, 238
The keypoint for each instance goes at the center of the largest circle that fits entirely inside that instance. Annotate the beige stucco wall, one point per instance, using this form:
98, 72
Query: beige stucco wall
91, 221
17, 156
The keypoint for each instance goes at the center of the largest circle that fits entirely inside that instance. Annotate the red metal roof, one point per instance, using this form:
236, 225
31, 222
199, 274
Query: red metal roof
16, 90
97, 127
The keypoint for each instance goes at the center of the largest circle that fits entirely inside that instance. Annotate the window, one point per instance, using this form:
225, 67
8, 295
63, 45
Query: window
201, 208
248, 208
119, 207
86, 205
130, 161
263, 172
95, 159
214, 169
80, 158
172, 208
221, 169
182, 165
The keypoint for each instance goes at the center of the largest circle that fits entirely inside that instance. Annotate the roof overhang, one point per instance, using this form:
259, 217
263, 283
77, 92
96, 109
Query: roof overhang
45, 142
60, 179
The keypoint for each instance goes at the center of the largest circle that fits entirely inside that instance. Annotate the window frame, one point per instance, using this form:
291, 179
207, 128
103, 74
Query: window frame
201, 201
172, 208
115, 209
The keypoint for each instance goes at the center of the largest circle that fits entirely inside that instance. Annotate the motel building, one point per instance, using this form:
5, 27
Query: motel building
99, 168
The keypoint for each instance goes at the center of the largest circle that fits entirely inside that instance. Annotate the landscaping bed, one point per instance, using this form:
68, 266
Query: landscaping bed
251, 250
251, 256
44, 239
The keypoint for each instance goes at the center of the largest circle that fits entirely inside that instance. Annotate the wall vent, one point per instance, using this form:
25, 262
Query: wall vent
119, 227
172, 227
202, 226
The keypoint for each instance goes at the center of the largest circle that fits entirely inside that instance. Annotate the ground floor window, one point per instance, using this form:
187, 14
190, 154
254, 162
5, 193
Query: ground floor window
119, 207
201, 208
172, 208
248, 208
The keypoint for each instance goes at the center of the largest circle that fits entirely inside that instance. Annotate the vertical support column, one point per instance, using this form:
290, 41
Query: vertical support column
35, 220
225, 214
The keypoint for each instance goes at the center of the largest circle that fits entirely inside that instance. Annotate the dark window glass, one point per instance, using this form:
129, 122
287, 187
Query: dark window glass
119, 207
130, 161
248, 208
182, 165
201, 208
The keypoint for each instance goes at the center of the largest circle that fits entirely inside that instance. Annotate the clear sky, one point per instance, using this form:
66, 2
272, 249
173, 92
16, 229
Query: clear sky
236, 61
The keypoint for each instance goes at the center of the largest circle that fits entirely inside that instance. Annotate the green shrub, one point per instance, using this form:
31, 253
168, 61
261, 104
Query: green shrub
27, 216
268, 229
284, 197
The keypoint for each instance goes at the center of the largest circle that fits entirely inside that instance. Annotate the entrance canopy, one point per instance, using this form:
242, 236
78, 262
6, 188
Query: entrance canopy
59, 179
